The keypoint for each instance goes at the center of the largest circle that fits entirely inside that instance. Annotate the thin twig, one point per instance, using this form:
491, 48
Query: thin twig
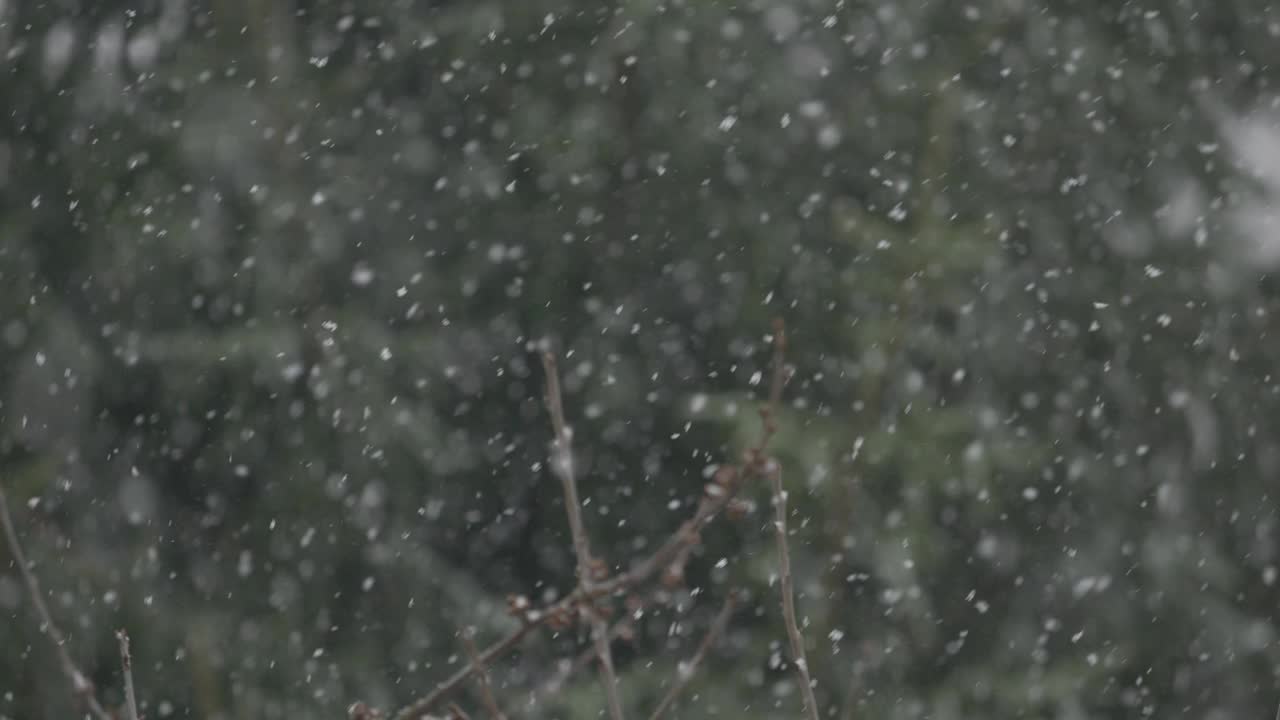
126, 664
600, 636
421, 707
686, 669
572, 667
534, 619
623, 629
482, 676
80, 684
779, 368
679, 542
563, 462
788, 593
671, 548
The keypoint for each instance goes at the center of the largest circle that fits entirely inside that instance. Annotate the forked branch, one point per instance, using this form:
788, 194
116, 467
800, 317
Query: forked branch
593, 580
562, 462
419, 708
673, 549
482, 675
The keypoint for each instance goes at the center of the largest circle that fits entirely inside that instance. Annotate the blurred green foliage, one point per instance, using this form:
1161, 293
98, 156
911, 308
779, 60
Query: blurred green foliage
272, 275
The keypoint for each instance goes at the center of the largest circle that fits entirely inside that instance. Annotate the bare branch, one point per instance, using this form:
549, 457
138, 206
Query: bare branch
686, 669
570, 668
600, 636
788, 593
674, 547
482, 675
80, 684
126, 664
563, 465
678, 544
421, 707
562, 462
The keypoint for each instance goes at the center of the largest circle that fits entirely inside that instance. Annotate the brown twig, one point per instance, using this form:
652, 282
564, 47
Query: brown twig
482, 676
788, 593
624, 629
642, 571
572, 667
562, 461
126, 665
80, 684
422, 706
682, 540
562, 464
686, 669
673, 547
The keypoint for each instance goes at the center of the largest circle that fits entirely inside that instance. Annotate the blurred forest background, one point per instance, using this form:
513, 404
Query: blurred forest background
272, 274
